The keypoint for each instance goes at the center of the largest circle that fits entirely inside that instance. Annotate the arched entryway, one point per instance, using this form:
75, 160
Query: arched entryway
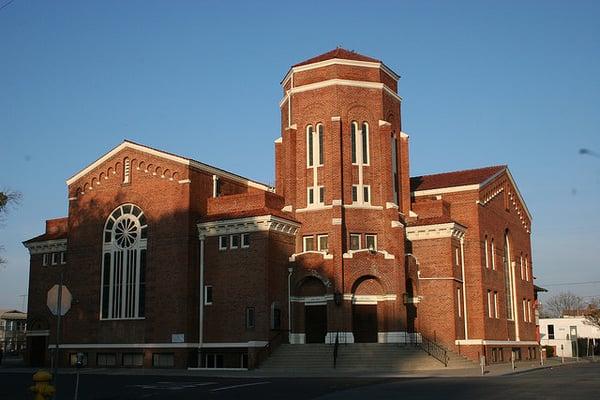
315, 310
366, 292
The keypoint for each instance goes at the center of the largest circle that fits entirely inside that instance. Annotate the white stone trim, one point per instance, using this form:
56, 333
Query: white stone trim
38, 333
480, 342
336, 221
436, 231
312, 300
335, 119
287, 208
397, 224
339, 61
386, 255
252, 343
343, 338
181, 160
389, 205
297, 338
336, 202
398, 337
339, 82
185, 181
278, 140
368, 299
453, 189
384, 123
364, 206
404, 135
47, 246
326, 255
249, 224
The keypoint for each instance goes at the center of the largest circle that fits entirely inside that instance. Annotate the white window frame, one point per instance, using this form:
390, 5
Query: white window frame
319, 189
317, 145
489, 301
368, 188
221, 246
456, 257
55, 258
231, 245
524, 310
487, 255
206, 289
357, 142
304, 240
359, 241
362, 139
374, 236
526, 269
243, 236
496, 304
319, 248
493, 250
458, 302
310, 146
529, 310
63, 257
308, 196
45, 259
355, 187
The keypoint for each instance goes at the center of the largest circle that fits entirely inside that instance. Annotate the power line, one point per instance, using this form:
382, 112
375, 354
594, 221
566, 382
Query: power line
571, 283
6, 4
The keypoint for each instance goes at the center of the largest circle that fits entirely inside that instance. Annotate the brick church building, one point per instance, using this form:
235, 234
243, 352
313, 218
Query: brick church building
174, 263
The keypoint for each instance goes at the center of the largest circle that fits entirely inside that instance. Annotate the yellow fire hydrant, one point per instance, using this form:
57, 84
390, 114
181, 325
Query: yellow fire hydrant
42, 388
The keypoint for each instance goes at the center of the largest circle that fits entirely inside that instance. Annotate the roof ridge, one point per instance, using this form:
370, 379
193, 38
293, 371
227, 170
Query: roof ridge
463, 170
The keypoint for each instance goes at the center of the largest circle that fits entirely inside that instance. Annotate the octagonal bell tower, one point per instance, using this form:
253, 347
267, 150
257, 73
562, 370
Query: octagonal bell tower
342, 167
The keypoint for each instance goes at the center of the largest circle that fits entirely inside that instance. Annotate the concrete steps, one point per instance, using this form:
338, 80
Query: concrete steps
373, 357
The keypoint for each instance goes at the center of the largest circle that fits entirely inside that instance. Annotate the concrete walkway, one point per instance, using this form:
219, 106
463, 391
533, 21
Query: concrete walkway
491, 370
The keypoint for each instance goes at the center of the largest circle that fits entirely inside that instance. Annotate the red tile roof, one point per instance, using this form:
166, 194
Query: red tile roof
451, 179
337, 53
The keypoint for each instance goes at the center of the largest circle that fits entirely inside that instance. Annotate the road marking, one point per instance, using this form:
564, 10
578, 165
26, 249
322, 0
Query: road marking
239, 386
176, 385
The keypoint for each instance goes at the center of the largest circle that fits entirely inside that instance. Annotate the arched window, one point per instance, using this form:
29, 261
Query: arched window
124, 263
508, 278
309, 146
365, 143
354, 130
320, 144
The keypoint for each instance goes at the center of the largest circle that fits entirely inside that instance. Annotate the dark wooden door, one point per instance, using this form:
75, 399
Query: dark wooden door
37, 351
364, 323
315, 319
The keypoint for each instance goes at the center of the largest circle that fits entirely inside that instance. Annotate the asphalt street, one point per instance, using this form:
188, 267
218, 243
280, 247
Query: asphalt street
576, 381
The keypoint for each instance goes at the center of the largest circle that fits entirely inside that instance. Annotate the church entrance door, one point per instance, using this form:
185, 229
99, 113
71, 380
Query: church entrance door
315, 320
364, 323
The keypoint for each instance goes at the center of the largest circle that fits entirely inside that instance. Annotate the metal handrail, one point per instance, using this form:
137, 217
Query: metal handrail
335, 349
434, 349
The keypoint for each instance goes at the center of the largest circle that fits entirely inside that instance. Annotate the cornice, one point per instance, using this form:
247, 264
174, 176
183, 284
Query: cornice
436, 231
248, 224
47, 246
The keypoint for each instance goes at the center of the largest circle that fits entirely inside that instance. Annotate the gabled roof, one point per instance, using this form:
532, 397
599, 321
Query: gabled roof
338, 53
170, 156
457, 178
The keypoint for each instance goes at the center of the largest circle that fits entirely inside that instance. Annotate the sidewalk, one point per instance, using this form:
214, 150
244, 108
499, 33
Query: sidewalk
491, 370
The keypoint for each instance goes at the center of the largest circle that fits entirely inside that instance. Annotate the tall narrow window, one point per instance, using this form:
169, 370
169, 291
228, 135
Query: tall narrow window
216, 186
485, 251
124, 264
489, 304
126, 171
526, 268
208, 295
321, 195
522, 267
458, 303
250, 318
366, 193
508, 278
524, 310
321, 142
354, 193
394, 146
310, 196
323, 242
365, 143
354, 129
309, 146
493, 251
495, 304
529, 310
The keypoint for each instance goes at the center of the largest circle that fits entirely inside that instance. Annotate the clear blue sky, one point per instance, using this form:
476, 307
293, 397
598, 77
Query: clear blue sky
483, 82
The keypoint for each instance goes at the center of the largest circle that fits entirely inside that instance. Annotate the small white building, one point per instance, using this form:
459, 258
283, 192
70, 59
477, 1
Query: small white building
561, 333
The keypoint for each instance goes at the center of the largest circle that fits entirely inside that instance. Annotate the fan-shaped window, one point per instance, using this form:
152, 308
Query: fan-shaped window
124, 263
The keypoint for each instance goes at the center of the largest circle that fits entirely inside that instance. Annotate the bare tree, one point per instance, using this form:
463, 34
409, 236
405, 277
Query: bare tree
556, 305
7, 198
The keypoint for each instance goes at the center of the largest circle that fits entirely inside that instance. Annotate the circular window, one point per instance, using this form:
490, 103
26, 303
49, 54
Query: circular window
126, 232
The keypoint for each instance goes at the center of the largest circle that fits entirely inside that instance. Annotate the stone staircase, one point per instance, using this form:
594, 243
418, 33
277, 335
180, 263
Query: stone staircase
356, 357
